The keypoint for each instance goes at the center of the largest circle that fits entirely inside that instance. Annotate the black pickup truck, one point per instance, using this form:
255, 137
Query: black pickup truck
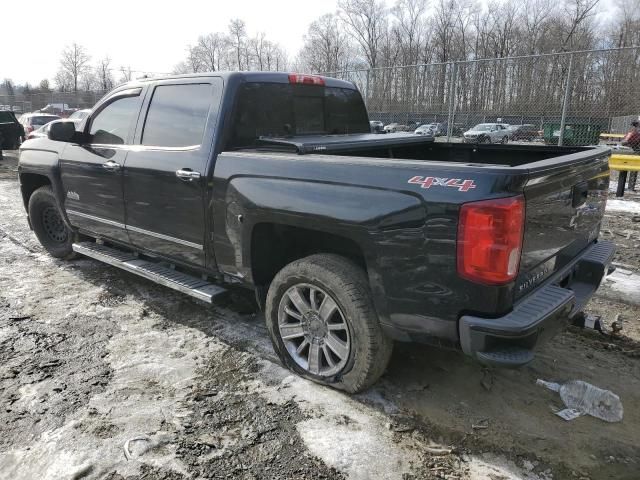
350, 240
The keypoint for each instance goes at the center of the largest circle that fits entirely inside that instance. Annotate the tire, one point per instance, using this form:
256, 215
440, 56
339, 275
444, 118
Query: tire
505, 140
364, 349
485, 140
53, 234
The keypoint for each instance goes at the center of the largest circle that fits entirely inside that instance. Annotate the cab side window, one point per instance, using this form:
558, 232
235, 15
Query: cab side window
111, 126
177, 115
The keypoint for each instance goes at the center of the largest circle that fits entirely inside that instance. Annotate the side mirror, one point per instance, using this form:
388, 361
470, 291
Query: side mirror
62, 131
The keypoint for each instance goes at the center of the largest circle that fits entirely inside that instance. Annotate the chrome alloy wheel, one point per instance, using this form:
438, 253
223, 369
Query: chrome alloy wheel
313, 330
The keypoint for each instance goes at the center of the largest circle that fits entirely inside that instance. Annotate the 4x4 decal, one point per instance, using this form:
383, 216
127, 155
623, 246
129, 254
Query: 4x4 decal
428, 182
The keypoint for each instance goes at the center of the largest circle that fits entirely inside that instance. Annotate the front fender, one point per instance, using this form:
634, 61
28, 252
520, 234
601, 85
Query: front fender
39, 158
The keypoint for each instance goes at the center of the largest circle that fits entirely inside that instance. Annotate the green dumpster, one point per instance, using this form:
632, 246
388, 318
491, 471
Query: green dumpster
574, 134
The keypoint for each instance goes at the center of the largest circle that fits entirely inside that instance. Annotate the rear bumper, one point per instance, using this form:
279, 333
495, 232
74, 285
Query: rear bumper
509, 341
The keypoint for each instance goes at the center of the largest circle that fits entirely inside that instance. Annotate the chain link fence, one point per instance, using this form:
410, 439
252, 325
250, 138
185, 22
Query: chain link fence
569, 98
60, 103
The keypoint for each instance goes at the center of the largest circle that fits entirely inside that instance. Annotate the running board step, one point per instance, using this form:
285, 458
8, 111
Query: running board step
507, 357
155, 272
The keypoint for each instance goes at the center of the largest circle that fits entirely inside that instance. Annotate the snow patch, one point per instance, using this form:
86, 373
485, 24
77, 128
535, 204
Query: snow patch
345, 434
629, 206
491, 467
623, 285
152, 372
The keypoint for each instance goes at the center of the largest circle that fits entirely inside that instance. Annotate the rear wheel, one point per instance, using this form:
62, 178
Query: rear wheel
53, 234
323, 324
505, 140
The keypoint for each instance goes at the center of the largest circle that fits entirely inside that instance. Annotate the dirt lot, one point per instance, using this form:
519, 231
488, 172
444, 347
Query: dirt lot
105, 375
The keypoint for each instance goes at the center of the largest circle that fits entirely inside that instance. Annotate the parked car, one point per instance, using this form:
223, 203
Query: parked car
437, 129
456, 131
43, 131
33, 121
376, 126
524, 132
426, 129
349, 240
395, 127
11, 131
487, 133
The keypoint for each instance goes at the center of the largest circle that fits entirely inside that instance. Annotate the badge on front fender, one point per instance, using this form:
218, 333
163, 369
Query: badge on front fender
428, 182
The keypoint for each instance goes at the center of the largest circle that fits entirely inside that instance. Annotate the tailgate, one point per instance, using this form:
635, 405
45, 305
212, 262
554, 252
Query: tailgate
565, 204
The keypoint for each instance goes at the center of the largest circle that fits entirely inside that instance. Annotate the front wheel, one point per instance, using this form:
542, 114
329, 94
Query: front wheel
323, 324
54, 235
505, 140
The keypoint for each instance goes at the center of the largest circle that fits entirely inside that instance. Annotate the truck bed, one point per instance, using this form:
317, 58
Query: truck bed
415, 147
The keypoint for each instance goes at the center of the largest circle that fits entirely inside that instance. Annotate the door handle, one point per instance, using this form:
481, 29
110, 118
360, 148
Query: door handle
111, 165
187, 174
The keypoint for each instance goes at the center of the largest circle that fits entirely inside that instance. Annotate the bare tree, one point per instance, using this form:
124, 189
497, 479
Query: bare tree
194, 60
74, 63
44, 85
409, 15
104, 78
366, 22
238, 33
326, 46
7, 85
210, 49
126, 74
64, 81
579, 12
88, 81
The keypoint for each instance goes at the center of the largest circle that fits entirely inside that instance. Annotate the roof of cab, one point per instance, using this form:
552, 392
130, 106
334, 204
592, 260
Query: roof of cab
268, 77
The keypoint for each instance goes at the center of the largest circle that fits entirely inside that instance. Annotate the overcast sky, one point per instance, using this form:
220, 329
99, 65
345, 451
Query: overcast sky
148, 36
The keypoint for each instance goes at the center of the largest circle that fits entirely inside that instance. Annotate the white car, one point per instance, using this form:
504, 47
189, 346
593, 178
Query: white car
488, 133
426, 129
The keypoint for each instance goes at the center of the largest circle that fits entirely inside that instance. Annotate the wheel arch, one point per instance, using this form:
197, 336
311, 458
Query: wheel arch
29, 183
274, 245
39, 167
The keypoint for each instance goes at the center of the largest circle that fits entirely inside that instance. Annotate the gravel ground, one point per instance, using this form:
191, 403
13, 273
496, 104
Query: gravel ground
105, 375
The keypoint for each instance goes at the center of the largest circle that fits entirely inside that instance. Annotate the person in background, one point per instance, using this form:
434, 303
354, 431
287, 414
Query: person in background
632, 140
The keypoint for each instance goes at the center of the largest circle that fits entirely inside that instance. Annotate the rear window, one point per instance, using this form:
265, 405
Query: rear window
177, 115
42, 120
280, 110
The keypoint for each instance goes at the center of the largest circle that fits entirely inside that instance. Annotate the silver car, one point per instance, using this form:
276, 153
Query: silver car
488, 133
426, 129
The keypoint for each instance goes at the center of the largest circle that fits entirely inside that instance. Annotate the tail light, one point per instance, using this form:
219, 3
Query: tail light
490, 240
29, 129
305, 79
